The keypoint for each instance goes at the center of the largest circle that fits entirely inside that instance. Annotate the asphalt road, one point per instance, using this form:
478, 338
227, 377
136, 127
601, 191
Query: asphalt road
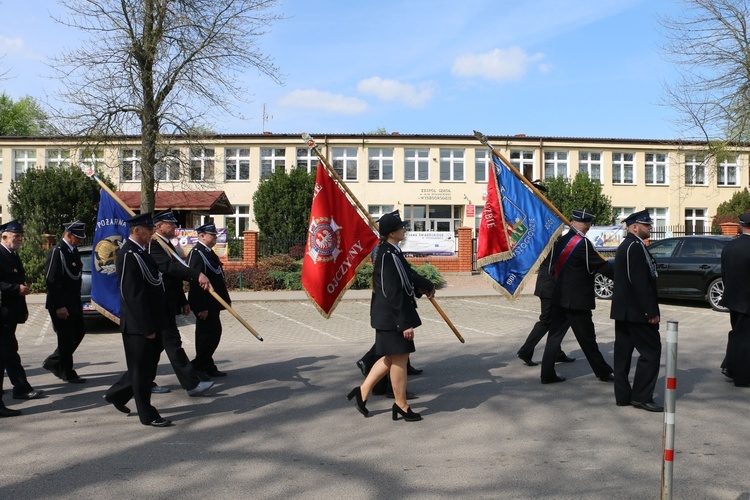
279, 425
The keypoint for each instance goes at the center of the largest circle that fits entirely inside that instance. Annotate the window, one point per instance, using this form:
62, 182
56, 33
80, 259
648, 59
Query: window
238, 223
345, 163
660, 216
1, 166
433, 217
656, 168
619, 213
91, 159
555, 164
237, 164
623, 168
524, 162
380, 164
23, 160
726, 172
482, 164
308, 160
377, 211
271, 160
695, 171
695, 220
167, 166
590, 162
416, 165
451, 165
130, 161
202, 164
58, 158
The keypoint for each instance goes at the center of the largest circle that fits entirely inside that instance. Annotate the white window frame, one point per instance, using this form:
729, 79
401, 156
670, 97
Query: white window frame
726, 169
482, 162
308, 160
57, 158
657, 169
452, 163
416, 165
346, 163
523, 160
168, 166
239, 159
241, 219
91, 159
660, 216
272, 160
693, 217
695, 170
379, 161
377, 211
619, 213
1, 176
202, 164
557, 162
590, 162
130, 161
23, 160
623, 162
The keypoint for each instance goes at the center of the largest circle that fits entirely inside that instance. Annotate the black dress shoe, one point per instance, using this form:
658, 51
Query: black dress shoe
527, 361
410, 370
409, 395
121, 408
610, 377
361, 403
8, 412
620, 403
564, 358
76, 380
203, 376
29, 395
727, 373
160, 422
362, 367
54, 369
216, 373
554, 380
650, 406
408, 415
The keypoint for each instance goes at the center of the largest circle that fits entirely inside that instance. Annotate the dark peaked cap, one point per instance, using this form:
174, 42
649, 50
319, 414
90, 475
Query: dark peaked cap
76, 228
641, 217
582, 216
390, 222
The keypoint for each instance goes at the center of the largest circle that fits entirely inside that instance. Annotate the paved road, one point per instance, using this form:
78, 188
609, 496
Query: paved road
279, 426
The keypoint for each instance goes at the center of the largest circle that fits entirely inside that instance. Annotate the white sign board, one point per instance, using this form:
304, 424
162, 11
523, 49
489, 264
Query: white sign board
441, 243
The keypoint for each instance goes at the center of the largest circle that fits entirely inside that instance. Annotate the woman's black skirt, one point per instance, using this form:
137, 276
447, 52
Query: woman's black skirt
389, 342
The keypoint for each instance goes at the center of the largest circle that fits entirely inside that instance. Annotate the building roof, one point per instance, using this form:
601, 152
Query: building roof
214, 202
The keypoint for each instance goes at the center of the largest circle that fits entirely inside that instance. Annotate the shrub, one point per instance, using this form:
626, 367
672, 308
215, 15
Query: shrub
430, 272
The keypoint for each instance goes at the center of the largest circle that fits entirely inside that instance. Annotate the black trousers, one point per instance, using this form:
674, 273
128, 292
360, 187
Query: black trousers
538, 331
172, 343
70, 333
583, 328
10, 360
135, 383
646, 340
738, 348
207, 338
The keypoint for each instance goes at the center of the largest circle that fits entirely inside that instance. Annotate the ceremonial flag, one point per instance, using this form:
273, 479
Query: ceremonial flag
493, 242
109, 235
531, 229
338, 243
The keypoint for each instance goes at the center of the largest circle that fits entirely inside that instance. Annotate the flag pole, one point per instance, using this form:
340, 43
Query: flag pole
340, 182
213, 293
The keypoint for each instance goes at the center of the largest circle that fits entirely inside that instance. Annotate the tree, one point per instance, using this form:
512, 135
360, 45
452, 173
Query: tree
282, 205
23, 117
156, 67
730, 210
582, 193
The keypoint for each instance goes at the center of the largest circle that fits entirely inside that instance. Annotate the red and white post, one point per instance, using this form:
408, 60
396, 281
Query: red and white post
670, 395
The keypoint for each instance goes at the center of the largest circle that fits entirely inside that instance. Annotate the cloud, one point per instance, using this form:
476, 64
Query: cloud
411, 95
498, 65
323, 101
15, 46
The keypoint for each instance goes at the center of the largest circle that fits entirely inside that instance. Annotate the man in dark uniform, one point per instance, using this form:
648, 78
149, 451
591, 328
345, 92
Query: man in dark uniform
13, 310
208, 329
635, 309
545, 283
175, 272
574, 265
143, 314
735, 268
63, 276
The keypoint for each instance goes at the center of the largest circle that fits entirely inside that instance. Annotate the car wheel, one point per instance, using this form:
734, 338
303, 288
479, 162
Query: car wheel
715, 293
603, 287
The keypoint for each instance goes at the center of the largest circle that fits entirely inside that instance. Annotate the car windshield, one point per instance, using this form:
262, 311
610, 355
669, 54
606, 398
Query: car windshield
663, 249
86, 260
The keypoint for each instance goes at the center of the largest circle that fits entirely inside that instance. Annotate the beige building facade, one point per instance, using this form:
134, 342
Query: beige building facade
438, 182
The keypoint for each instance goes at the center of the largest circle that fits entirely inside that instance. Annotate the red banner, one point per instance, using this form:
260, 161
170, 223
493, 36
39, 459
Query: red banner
493, 242
339, 242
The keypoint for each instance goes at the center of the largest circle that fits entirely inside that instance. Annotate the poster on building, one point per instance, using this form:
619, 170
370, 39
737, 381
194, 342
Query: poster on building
186, 238
441, 243
605, 238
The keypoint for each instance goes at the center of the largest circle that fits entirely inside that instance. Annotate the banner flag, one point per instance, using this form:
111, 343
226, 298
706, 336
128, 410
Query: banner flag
493, 241
110, 233
532, 229
338, 244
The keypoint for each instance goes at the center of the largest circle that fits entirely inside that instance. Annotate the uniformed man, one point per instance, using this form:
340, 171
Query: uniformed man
635, 309
175, 272
63, 271
208, 329
143, 315
13, 310
574, 265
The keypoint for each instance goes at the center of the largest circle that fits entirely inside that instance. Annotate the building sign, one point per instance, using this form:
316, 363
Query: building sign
605, 237
470, 210
435, 194
186, 239
442, 243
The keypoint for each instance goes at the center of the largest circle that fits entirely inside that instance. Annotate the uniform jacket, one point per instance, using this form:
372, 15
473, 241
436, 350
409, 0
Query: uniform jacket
143, 300
574, 284
63, 270
12, 303
396, 286
174, 273
545, 282
203, 259
735, 270
634, 298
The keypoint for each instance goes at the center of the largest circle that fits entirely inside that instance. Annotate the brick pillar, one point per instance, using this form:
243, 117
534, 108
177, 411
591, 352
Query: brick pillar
465, 249
250, 248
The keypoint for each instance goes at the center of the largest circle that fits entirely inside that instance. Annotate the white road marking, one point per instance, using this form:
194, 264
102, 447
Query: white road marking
298, 322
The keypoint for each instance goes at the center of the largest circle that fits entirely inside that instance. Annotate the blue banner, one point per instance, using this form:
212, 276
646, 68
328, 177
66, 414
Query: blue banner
110, 233
532, 230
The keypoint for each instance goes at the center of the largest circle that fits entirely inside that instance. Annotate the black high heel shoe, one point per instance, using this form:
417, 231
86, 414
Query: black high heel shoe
360, 403
408, 415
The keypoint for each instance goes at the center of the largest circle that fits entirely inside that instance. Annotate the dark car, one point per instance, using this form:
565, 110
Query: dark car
689, 267
88, 309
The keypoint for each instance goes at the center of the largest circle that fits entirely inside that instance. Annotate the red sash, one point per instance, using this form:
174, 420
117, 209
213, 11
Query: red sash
565, 254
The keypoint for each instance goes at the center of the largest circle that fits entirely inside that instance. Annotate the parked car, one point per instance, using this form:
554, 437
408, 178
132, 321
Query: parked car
689, 267
88, 309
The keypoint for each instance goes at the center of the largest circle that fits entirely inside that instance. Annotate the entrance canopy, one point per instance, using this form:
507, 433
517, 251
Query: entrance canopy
212, 202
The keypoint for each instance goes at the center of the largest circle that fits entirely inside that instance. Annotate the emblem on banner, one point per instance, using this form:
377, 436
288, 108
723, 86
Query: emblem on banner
106, 254
324, 241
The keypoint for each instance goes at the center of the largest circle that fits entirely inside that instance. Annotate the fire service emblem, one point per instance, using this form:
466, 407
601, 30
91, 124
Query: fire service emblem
324, 242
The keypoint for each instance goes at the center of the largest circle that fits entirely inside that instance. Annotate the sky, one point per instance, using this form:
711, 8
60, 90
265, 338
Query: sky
553, 68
